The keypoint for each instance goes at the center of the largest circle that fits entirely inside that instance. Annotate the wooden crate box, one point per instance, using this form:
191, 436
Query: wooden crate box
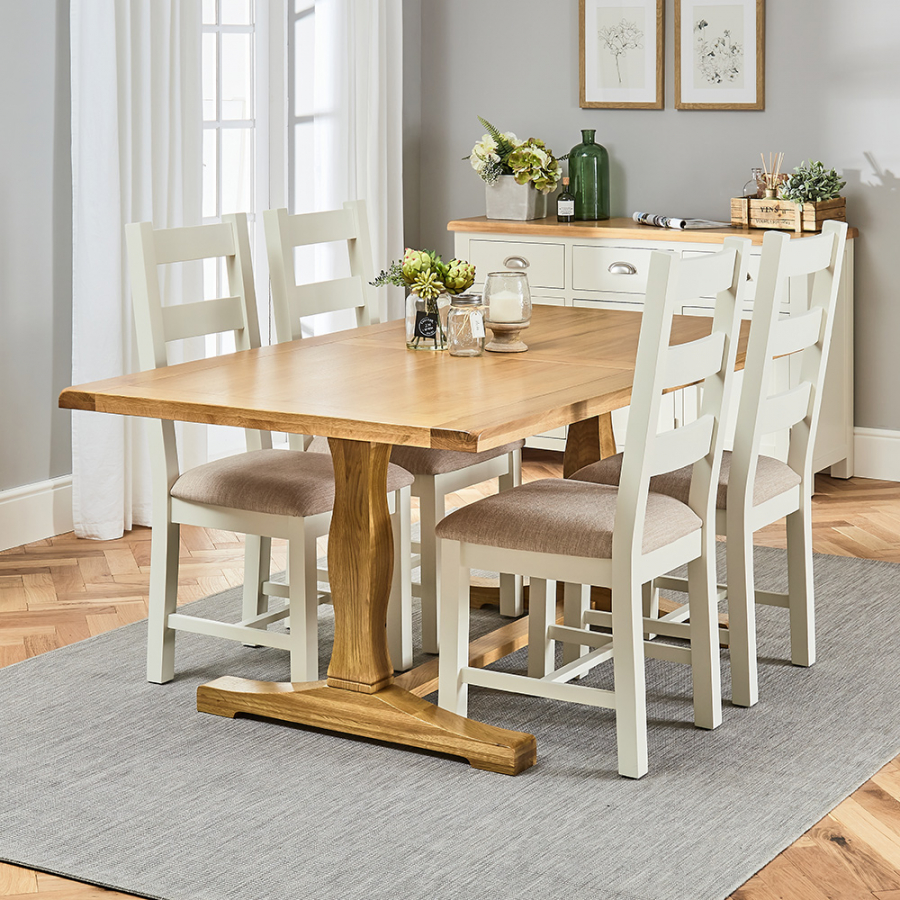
785, 214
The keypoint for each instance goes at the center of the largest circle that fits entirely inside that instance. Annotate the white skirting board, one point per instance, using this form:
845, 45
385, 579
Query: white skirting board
34, 512
877, 453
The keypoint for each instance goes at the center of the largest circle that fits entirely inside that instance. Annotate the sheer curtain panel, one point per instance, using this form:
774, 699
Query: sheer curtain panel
358, 131
136, 156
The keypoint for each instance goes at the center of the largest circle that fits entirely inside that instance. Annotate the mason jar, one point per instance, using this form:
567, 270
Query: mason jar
465, 323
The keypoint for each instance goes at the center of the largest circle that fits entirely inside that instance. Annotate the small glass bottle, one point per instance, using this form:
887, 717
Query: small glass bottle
465, 324
754, 187
565, 203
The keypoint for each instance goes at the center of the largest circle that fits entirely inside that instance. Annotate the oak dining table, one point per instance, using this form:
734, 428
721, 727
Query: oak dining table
365, 392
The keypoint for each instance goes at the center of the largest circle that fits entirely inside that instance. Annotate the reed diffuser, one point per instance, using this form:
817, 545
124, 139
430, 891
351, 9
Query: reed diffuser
772, 175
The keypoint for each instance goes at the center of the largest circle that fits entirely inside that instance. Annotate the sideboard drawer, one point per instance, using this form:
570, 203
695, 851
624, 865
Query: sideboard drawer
544, 264
619, 269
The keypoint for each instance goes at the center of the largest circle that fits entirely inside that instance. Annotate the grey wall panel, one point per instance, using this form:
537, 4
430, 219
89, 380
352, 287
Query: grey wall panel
35, 241
832, 92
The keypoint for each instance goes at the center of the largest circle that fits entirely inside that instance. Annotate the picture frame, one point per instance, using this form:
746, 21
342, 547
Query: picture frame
622, 54
720, 57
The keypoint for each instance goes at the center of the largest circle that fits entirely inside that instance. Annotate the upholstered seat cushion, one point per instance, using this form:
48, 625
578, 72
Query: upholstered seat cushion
773, 477
566, 517
423, 461
278, 482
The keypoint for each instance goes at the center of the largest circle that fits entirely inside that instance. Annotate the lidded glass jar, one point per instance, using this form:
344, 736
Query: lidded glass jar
465, 323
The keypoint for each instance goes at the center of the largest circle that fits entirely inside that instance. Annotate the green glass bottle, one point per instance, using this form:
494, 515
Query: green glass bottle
589, 171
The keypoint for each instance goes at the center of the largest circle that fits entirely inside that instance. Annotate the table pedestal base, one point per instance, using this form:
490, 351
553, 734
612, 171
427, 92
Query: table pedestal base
392, 715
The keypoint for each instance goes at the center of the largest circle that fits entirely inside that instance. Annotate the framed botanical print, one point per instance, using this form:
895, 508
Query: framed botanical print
622, 53
720, 54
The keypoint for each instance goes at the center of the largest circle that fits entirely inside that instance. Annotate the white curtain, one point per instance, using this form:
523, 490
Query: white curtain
136, 156
358, 123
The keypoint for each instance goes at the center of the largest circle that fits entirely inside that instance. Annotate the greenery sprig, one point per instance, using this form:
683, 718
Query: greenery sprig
811, 182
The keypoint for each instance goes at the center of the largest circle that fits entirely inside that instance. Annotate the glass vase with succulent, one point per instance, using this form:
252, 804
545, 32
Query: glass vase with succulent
430, 282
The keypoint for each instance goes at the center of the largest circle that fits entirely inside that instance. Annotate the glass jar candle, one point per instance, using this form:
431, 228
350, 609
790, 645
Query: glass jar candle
465, 323
507, 298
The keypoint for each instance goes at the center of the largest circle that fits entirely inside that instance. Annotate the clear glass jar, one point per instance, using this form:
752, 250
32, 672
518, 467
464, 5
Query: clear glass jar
756, 185
507, 298
426, 322
465, 324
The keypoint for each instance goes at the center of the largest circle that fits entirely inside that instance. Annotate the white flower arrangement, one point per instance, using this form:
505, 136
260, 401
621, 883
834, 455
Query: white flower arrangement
502, 153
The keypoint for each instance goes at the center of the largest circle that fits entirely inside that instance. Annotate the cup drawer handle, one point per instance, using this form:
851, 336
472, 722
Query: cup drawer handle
622, 268
516, 262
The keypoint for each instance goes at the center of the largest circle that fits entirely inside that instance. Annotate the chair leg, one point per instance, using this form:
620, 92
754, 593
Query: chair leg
512, 602
650, 594
257, 565
431, 511
164, 541
453, 693
541, 614
576, 600
741, 615
399, 614
801, 596
630, 677
705, 668
303, 602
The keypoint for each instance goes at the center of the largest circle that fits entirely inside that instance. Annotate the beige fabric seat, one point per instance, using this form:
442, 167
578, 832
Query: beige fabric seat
773, 477
277, 482
422, 461
563, 517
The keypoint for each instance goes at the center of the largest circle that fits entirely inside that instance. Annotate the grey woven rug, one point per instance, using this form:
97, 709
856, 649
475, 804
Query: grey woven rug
110, 780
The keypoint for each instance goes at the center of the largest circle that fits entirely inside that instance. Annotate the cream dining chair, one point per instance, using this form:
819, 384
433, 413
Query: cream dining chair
263, 493
437, 472
619, 537
756, 490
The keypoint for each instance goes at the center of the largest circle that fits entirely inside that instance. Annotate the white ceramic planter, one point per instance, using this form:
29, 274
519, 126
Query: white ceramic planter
504, 199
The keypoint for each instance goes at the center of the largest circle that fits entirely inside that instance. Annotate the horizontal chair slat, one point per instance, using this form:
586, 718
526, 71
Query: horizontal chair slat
327, 296
682, 446
705, 276
692, 362
189, 320
808, 255
787, 409
196, 242
796, 333
334, 225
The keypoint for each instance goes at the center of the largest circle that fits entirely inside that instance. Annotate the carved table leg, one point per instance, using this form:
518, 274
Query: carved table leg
359, 697
588, 441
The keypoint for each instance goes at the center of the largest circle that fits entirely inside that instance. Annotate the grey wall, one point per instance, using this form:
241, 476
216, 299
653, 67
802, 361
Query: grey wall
35, 241
832, 93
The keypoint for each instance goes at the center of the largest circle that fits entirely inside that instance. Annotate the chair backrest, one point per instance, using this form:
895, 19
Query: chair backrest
810, 266
672, 283
291, 301
157, 325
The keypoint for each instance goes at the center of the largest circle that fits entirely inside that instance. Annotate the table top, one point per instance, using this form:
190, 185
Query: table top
616, 229
363, 384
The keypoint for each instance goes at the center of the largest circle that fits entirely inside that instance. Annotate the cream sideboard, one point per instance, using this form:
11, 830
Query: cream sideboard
604, 264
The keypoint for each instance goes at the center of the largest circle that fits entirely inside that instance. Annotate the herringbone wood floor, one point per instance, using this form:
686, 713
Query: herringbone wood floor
62, 590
